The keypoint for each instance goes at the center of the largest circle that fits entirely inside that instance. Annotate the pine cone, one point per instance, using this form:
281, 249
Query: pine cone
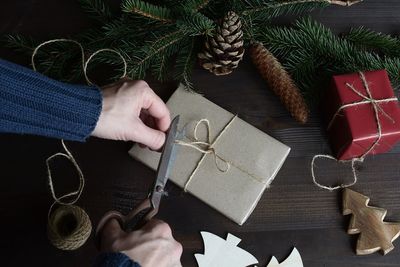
279, 81
223, 52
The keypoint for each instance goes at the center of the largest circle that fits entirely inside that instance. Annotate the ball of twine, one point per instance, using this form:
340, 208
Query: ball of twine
68, 227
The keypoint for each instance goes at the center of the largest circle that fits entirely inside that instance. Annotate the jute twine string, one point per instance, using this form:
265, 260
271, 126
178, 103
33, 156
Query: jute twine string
207, 148
367, 99
85, 63
69, 226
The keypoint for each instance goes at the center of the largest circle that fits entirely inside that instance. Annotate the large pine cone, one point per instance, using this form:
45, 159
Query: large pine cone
279, 81
223, 52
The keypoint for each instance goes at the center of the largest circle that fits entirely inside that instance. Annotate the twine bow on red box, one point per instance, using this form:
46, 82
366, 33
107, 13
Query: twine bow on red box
366, 100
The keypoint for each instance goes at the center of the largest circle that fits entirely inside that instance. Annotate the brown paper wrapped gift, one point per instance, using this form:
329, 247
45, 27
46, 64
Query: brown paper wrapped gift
229, 165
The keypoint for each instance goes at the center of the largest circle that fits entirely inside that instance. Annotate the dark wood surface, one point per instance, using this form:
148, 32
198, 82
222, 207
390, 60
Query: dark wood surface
293, 212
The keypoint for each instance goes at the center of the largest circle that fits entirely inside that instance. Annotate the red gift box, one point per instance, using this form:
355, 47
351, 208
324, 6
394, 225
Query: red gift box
362, 114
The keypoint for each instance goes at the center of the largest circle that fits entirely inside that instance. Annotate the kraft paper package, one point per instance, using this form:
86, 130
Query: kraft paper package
228, 166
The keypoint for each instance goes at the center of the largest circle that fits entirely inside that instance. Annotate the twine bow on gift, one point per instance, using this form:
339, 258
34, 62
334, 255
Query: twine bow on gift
366, 99
205, 148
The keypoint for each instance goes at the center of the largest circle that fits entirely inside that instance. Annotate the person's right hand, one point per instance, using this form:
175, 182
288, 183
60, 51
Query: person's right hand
151, 246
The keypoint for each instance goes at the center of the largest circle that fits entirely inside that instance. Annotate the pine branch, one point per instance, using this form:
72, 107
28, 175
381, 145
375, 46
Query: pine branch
196, 5
97, 9
312, 54
185, 60
194, 23
276, 9
148, 10
58, 60
20, 43
167, 44
374, 41
161, 65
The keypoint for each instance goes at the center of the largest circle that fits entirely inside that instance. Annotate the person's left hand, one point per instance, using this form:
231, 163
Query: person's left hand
133, 112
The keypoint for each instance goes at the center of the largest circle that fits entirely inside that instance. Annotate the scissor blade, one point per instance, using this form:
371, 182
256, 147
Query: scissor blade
166, 161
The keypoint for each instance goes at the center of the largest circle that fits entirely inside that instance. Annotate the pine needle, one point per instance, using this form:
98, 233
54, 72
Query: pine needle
148, 10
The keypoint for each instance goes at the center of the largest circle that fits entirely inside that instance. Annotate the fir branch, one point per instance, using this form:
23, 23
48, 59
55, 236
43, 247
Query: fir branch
276, 9
374, 41
58, 60
196, 5
97, 9
148, 10
293, 6
195, 23
20, 43
161, 65
160, 44
185, 61
312, 54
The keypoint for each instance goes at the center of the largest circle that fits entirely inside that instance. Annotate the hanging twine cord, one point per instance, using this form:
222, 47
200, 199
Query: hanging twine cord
367, 99
69, 226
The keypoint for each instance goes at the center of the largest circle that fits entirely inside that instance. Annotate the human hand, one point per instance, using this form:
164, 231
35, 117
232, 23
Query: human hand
133, 112
152, 245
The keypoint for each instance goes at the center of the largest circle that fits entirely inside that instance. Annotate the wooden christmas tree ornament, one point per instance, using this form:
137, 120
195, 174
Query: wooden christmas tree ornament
375, 234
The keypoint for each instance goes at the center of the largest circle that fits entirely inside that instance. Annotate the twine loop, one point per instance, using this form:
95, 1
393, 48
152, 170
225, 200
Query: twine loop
366, 99
85, 63
69, 226
205, 147
74, 195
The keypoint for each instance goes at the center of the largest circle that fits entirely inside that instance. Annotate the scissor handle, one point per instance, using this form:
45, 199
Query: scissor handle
139, 216
134, 220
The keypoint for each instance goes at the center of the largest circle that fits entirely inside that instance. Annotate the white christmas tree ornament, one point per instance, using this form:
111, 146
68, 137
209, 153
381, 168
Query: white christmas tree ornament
294, 260
219, 252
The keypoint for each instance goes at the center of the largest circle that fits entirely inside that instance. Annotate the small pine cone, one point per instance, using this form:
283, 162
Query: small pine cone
223, 52
279, 81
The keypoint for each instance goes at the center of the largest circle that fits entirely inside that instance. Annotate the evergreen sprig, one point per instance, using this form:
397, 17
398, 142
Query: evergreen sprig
167, 45
194, 23
265, 10
374, 41
148, 10
160, 36
184, 65
97, 9
312, 54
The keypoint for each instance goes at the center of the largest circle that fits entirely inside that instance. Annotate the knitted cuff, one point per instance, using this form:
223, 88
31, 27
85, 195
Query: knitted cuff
114, 259
31, 103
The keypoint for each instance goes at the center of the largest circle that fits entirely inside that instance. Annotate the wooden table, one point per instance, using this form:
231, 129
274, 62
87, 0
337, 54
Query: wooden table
293, 212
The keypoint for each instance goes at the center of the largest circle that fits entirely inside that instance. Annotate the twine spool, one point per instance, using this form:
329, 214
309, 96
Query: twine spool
68, 227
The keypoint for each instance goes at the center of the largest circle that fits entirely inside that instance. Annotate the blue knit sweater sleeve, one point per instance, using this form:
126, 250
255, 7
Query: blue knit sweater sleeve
31, 103
114, 260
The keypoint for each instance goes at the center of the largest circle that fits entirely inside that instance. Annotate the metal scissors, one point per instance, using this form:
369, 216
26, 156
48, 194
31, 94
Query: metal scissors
149, 207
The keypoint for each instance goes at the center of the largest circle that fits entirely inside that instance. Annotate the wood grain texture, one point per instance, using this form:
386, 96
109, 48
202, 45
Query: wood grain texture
293, 212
